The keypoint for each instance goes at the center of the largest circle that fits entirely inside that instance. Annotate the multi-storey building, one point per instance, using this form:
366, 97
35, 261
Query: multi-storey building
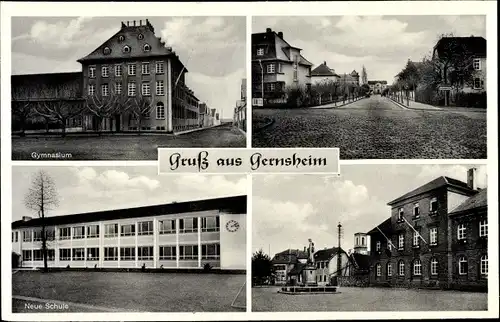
419, 244
324, 74
176, 235
328, 264
352, 78
276, 66
287, 262
131, 82
240, 111
377, 86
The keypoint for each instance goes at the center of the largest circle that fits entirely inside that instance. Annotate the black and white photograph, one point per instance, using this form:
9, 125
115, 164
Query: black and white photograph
117, 88
377, 87
123, 239
377, 238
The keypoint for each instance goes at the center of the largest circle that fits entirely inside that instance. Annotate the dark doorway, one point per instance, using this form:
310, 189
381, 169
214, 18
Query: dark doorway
118, 123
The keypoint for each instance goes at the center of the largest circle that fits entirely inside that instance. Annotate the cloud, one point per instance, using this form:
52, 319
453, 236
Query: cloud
214, 185
459, 172
110, 180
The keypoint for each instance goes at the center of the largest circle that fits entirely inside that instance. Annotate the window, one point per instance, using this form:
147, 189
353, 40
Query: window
389, 269
126, 49
159, 67
462, 265
64, 254
78, 254
461, 232
434, 266
378, 268
168, 252
131, 89
145, 68
433, 207
160, 89
37, 235
79, 232
131, 69
167, 227
416, 210
118, 88
64, 233
260, 51
146, 47
357, 240
105, 71
27, 256
105, 89
111, 253
362, 241
91, 89
15, 236
295, 76
210, 224
280, 68
416, 239
484, 265
433, 235
478, 83
110, 230
140, 36
401, 241
417, 267
106, 51
118, 70
121, 38
378, 246
37, 255
477, 64
188, 252
92, 71
146, 89
127, 230
127, 253
145, 228
210, 251
160, 111
27, 236
188, 225
401, 214
93, 231
270, 69
483, 228
93, 253
401, 268
145, 252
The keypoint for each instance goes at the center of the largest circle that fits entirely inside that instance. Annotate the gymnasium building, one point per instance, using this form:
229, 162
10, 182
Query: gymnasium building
168, 236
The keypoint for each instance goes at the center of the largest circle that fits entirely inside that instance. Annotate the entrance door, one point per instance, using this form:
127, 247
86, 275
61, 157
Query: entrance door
118, 123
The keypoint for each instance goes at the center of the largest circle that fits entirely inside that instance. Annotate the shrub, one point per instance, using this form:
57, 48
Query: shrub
207, 267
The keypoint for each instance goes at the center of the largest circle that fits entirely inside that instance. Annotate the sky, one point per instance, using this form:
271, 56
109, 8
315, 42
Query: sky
87, 189
211, 48
288, 210
383, 44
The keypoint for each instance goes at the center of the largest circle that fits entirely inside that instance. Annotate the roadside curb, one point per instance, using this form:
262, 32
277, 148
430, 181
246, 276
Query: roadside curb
398, 104
332, 107
195, 130
268, 124
242, 132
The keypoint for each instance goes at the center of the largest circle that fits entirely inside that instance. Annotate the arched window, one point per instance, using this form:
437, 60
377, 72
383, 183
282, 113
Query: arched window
378, 269
126, 49
140, 36
434, 266
106, 51
462, 265
401, 268
389, 269
484, 265
121, 38
146, 47
160, 111
417, 267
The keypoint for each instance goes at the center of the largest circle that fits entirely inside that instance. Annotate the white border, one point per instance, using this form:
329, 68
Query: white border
488, 8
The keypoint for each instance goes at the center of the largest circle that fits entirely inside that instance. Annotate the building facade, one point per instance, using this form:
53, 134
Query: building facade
377, 86
276, 67
240, 111
323, 74
418, 247
352, 78
328, 264
286, 261
177, 235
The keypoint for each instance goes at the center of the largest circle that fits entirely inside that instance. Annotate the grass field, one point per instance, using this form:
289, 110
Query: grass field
369, 299
138, 292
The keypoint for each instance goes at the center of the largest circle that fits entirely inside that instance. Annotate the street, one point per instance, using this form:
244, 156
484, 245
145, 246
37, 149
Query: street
376, 128
123, 146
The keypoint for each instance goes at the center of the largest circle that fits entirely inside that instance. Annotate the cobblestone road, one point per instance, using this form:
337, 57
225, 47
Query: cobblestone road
376, 128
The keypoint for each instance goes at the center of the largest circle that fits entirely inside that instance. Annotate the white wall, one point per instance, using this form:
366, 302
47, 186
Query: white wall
233, 244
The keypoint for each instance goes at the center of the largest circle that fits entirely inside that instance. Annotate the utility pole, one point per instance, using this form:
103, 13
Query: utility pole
339, 254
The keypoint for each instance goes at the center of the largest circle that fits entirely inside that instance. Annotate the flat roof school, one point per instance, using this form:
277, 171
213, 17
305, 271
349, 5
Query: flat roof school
188, 234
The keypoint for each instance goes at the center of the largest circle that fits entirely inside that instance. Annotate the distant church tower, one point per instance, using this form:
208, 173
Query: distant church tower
361, 243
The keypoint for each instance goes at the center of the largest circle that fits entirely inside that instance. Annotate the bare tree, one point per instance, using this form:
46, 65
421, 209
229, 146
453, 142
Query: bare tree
104, 106
23, 104
140, 107
42, 196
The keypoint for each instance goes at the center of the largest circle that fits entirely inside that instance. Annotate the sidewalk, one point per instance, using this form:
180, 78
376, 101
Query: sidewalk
337, 104
414, 105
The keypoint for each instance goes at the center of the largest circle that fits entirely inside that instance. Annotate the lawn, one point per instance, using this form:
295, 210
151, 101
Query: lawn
369, 299
139, 292
122, 146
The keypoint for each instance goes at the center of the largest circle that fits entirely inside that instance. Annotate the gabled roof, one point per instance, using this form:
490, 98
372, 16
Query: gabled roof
323, 70
327, 254
294, 252
236, 205
385, 227
475, 46
478, 201
435, 184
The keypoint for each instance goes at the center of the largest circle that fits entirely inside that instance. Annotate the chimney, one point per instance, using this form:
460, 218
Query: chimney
134, 23
128, 23
305, 248
26, 218
324, 63
471, 178
269, 30
123, 25
280, 34
140, 22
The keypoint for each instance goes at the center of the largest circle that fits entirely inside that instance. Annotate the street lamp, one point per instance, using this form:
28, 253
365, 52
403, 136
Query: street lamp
262, 80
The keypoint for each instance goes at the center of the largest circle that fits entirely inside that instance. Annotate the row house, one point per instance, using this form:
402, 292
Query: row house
176, 235
425, 241
377, 86
240, 111
276, 67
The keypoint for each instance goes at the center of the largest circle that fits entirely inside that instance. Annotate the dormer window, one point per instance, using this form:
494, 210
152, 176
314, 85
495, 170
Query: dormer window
121, 38
260, 52
147, 47
140, 36
126, 49
106, 51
